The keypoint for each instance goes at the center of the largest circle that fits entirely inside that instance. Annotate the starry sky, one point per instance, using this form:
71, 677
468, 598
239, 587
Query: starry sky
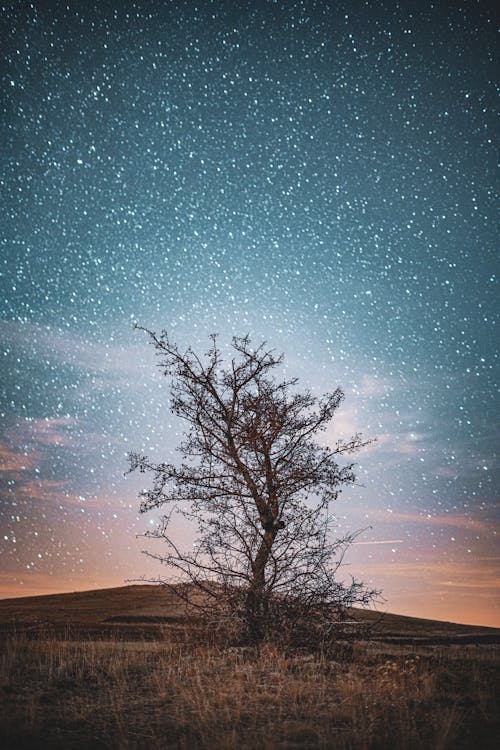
317, 174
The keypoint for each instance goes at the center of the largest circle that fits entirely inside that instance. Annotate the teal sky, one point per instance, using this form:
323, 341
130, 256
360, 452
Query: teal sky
321, 175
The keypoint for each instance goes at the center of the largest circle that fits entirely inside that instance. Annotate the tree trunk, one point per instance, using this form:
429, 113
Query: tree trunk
257, 604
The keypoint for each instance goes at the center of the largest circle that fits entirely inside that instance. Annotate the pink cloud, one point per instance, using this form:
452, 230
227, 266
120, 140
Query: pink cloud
54, 491
52, 431
48, 431
12, 461
443, 520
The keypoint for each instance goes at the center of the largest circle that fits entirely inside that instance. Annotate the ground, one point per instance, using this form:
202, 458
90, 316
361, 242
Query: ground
126, 669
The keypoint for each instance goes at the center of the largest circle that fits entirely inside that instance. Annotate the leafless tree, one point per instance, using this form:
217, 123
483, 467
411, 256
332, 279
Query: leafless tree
258, 488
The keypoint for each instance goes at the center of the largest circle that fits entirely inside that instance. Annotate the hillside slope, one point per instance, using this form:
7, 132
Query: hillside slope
149, 605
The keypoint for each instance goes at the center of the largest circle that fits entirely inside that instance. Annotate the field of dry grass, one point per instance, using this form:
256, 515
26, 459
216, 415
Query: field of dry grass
66, 689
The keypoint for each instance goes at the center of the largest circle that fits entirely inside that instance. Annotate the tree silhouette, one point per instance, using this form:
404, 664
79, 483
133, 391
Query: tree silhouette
258, 487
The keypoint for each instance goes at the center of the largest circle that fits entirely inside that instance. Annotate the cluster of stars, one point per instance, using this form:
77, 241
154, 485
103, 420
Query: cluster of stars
319, 175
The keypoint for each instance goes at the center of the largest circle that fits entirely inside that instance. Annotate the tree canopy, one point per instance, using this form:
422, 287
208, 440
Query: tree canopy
258, 487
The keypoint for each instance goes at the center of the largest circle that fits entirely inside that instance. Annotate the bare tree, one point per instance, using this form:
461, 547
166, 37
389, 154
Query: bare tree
257, 486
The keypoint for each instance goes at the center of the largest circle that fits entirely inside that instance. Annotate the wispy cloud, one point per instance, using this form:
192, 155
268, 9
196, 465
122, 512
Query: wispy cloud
375, 387
16, 461
54, 491
442, 520
76, 350
473, 574
48, 431
381, 541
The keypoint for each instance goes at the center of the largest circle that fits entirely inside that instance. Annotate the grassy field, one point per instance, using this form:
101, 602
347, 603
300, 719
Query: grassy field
68, 687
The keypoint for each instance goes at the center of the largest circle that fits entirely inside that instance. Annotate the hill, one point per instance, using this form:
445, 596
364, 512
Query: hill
143, 608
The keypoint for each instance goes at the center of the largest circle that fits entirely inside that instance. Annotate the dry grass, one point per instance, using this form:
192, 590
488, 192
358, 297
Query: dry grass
58, 693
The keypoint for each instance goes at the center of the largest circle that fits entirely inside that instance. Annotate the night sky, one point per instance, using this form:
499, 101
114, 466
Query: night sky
321, 175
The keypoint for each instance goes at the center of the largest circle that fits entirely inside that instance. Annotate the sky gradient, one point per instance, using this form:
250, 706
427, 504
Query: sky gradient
321, 175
